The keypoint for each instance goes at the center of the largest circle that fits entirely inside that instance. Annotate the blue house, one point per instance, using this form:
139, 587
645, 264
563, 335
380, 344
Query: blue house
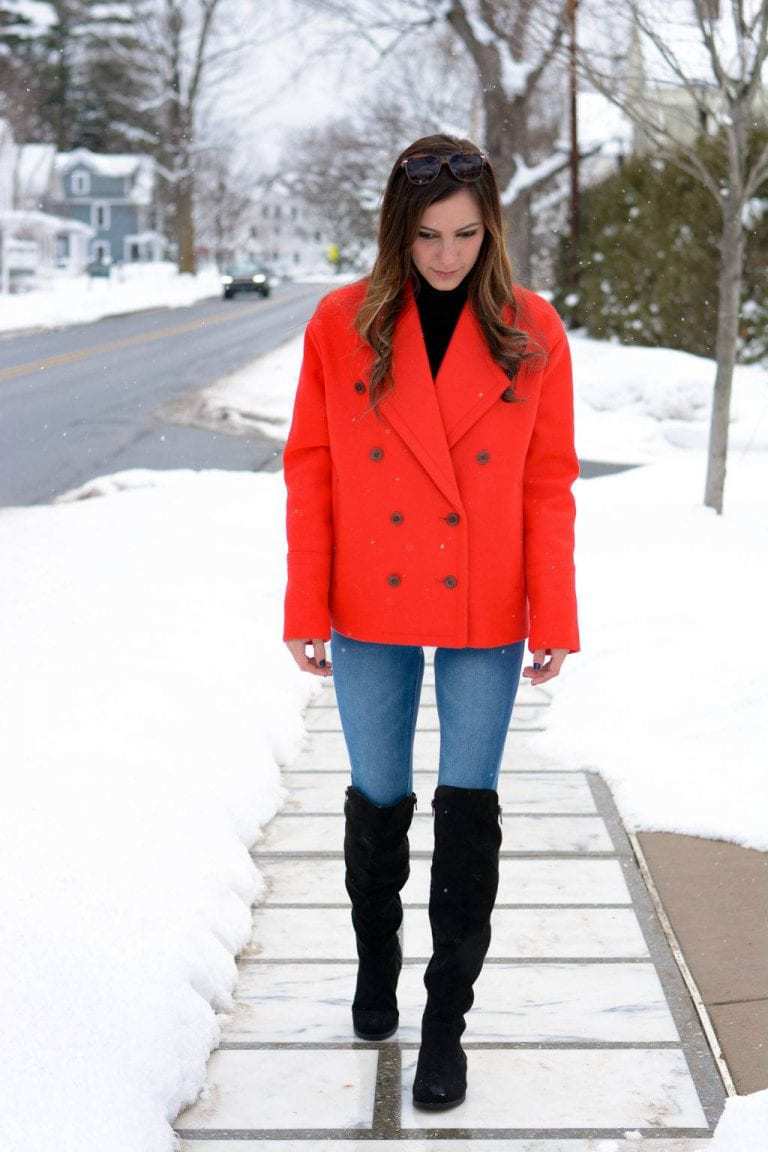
115, 195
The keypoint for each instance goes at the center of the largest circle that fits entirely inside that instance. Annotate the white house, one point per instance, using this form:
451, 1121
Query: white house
34, 244
286, 234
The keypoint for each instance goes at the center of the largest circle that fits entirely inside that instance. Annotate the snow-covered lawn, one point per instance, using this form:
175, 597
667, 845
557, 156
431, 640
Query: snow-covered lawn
130, 288
148, 704
80, 299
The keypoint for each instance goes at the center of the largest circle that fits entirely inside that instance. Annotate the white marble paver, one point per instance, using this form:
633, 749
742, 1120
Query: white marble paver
569, 1088
286, 1088
568, 792
513, 1002
327, 751
328, 719
417, 1143
290, 833
572, 1042
521, 881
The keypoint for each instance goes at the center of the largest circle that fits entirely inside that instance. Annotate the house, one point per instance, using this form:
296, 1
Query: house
285, 233
34, 244
115, 195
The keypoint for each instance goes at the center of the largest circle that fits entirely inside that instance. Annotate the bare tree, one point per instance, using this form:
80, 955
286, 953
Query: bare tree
511, 45
195, 46
339, 169
710, 81
226, 195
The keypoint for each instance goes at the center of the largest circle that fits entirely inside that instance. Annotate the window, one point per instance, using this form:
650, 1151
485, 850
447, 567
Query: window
100, 216
101, 252
265, 211
294, 212
81, 183
296, 257
62, 249
277, 212
317, 234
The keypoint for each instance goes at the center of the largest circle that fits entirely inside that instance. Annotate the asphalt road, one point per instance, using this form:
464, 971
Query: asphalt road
92, 399
82, 401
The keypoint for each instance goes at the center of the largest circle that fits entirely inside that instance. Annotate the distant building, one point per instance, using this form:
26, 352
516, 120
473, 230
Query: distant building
35, 244
286, 234
115, 196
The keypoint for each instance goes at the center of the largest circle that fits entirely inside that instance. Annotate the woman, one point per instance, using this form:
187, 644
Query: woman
429, 467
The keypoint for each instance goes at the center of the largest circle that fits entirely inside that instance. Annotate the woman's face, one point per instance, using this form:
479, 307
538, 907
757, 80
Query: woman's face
448, 239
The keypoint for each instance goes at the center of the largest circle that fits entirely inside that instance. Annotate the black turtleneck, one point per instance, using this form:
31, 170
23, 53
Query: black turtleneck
439, 310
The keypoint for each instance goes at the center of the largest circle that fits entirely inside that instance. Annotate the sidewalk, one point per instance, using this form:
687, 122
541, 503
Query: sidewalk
582, 1029
714, 895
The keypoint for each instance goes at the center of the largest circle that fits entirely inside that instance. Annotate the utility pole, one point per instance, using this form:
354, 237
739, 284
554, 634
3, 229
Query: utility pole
573, 271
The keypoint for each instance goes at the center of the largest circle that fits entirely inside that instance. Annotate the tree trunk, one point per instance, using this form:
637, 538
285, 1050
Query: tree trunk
729, 283
185, 225
517, 217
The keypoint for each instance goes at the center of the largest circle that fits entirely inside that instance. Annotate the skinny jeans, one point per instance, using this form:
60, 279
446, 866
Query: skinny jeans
378, 690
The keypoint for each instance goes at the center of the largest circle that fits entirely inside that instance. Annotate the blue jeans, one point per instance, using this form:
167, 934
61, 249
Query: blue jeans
378, 688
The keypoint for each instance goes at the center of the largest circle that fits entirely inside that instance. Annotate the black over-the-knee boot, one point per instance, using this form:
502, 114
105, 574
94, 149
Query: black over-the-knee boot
376, 854
463, 887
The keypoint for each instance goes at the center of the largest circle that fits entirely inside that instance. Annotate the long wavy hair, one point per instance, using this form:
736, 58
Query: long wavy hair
490, 286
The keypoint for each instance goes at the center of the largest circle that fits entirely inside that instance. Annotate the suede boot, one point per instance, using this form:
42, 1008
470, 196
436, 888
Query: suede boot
463, 887
377, 859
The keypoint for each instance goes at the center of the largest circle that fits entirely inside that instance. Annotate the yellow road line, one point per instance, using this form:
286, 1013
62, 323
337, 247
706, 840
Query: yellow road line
114, 345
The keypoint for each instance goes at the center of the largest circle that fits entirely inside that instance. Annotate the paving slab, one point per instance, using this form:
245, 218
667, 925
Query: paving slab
583, 1035
715, 895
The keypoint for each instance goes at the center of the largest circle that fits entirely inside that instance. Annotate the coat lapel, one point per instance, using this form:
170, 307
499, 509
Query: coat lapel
432, 415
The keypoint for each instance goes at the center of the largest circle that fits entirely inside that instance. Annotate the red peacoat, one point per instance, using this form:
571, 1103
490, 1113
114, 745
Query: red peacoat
451, 521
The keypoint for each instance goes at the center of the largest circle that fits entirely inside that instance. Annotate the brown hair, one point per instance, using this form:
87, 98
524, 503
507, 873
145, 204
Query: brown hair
490, 284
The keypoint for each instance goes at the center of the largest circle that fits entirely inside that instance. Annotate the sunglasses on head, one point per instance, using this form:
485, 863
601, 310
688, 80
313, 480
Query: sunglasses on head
424, 168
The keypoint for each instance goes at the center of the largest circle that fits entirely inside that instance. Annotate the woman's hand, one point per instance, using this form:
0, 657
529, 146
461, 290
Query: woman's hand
552, 668
310, 663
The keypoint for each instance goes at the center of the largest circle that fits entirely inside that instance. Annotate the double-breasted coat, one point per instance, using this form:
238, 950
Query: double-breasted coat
450, 522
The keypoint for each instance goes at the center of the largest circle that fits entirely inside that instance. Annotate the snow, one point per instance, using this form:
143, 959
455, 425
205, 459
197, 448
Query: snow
114, 164
19, 217
149, 704
35, 162
515, 74
78, 299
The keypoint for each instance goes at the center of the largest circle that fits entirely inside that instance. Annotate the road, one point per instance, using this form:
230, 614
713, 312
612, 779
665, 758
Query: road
82, 401
92, 399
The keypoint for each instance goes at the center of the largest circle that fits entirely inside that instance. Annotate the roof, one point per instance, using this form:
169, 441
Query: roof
104, 163
46, 220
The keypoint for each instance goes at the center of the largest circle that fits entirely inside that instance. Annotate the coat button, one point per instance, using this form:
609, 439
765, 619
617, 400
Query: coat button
393, 578
376, 453
483, 457
450, 581
397, 517
452, 518
359, 386
508, 395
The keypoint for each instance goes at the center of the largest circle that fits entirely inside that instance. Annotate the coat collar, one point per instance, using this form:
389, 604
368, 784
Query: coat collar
468, 382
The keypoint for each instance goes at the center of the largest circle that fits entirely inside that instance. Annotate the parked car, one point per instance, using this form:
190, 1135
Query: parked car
245, 278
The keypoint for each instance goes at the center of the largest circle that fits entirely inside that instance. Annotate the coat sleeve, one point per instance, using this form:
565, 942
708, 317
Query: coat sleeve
308, 518
551, 466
